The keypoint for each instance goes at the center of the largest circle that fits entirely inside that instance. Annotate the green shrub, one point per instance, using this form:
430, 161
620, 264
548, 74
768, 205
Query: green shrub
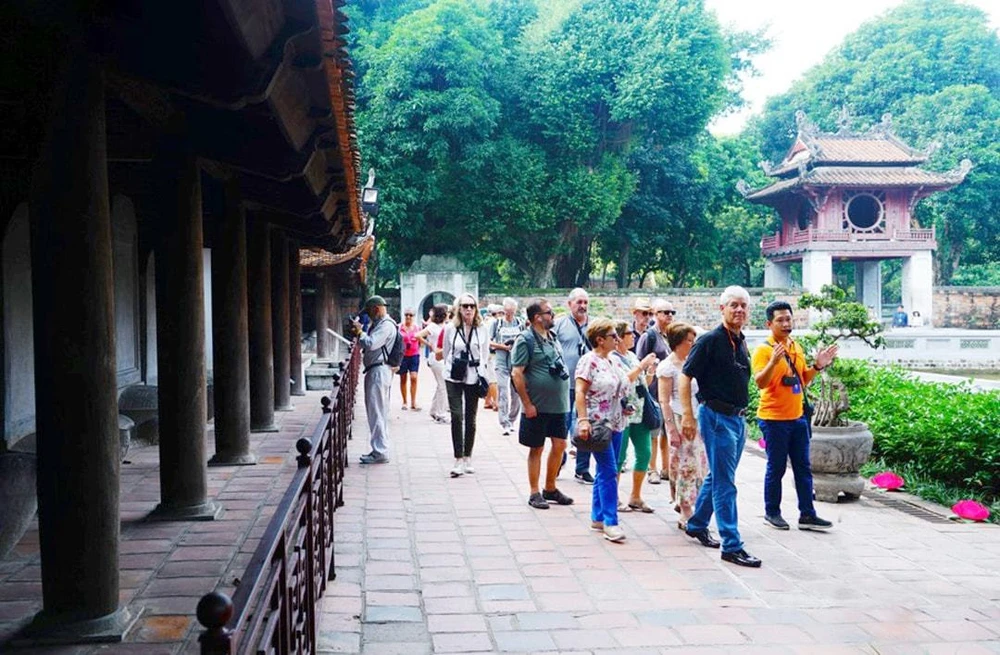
944, 431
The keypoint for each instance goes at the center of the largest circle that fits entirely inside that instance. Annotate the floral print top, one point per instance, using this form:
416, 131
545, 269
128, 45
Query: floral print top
627, 362
608, 386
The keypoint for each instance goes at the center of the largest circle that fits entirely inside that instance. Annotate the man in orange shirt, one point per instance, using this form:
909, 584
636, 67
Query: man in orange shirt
780, 372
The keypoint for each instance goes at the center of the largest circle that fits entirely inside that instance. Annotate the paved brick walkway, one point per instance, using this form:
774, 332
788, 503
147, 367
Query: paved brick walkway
431, 564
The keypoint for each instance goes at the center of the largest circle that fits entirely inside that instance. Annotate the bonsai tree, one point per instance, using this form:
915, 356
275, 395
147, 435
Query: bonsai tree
840, 319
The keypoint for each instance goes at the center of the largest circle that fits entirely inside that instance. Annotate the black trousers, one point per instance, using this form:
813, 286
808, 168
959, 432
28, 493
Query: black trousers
457, 393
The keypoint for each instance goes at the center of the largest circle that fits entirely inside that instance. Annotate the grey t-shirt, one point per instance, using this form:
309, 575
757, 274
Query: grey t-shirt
571, 337
503, 331
549, 393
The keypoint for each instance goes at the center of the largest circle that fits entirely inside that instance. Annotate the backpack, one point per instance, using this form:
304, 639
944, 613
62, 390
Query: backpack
393, 356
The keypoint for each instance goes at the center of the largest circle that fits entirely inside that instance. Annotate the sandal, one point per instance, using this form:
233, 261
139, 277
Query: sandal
641, 506
414, 408
653, 477
624, 508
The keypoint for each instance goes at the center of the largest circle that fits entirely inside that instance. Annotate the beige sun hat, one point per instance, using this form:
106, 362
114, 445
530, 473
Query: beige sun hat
641, 305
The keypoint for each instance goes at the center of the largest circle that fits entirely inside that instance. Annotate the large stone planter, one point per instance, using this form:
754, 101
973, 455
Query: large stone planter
837, 455
18, 501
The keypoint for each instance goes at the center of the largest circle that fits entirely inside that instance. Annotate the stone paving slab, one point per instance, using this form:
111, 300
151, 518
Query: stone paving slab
431, 564
165, 568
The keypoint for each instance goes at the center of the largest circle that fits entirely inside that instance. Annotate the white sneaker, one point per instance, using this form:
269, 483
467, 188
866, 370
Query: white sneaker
458, 469
614, 533
468, 466
507, 431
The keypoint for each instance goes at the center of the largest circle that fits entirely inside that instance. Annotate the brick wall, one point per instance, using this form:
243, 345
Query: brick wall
967, 307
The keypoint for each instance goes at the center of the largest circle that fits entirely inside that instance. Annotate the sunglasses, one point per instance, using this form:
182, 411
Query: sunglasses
644, 313
671, 312
408, 314
467, 306
611, 335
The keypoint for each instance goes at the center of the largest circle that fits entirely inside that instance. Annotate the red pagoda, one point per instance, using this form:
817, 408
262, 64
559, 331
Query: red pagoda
850, 196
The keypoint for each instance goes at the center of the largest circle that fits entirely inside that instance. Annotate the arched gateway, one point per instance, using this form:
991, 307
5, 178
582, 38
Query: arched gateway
434, 279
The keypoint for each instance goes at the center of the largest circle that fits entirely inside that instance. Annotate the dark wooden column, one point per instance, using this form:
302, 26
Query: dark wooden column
259, 304
322, 316
230, 349
74, 341
295, 319
280, 322
180, 341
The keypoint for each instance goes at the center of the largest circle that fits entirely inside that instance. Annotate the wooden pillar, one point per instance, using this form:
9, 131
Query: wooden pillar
280, 310
180, 342
259, 324
74, 342
322, 316
295, 319
230, 349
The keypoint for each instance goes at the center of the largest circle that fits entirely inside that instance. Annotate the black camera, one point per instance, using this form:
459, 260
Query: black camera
558, 370
789, 381
460, 365
509, 343
627, 407
581, 349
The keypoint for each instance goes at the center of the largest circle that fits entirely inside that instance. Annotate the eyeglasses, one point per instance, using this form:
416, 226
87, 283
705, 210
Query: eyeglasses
468, 305
671, 312
611, 335
408, 314
549, 312
644, 313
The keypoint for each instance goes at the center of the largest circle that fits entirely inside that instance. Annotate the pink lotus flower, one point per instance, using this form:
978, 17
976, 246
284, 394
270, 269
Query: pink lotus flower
762, 443
888, 480
971, 510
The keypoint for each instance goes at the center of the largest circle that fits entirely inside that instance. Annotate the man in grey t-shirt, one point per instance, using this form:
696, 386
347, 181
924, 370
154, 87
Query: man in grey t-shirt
542, 382
571, 332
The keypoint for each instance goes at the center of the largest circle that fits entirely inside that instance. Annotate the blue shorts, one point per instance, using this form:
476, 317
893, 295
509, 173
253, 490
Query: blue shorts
410, 364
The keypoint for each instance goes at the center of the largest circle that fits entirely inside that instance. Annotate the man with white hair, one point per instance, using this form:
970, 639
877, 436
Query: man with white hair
571, 331
503, 332
720, 362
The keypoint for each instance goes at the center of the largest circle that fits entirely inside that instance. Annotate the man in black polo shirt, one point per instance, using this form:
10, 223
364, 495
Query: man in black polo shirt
720, 362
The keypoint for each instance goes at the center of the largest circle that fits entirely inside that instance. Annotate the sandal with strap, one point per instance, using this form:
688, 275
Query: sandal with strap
641, 506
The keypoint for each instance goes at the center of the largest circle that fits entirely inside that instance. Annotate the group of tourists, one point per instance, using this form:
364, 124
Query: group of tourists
677, 394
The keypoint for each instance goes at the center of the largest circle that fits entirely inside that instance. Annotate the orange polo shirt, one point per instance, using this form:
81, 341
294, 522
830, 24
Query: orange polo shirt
778, 402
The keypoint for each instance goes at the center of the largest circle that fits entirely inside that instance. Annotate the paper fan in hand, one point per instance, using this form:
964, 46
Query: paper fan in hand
762, 443
888, 480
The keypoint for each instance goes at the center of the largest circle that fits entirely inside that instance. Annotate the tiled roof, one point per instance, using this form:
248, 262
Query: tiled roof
864, 177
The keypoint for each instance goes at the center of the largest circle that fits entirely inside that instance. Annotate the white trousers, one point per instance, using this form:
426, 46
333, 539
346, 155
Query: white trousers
439, 404
510, 402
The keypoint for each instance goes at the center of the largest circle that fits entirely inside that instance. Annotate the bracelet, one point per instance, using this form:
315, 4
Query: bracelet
818, 369
583, 419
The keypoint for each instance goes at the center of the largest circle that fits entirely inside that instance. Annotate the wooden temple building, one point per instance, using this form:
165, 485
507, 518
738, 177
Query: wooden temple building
162, 166
850, 196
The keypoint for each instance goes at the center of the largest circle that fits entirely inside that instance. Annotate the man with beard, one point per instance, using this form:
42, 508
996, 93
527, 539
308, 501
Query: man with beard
542, 383
720, 362
571, 332
780, 372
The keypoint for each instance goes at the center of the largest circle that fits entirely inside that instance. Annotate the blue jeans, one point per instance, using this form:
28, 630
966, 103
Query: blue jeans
604, 507
787, 439
582, 458
724, 438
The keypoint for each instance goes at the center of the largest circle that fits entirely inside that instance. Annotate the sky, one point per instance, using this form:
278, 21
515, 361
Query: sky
802, 33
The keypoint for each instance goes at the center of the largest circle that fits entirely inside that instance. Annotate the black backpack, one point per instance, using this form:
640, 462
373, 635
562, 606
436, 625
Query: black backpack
393, 356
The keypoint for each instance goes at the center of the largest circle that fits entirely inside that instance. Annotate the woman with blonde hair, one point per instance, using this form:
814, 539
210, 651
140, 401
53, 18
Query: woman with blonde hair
601, 388
688, 463
465, 351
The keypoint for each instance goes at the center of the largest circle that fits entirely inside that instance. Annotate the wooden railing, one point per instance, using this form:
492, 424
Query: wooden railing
274, 607
771, 242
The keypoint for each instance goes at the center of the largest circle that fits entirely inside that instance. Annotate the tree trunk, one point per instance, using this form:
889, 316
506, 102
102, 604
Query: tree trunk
623, 274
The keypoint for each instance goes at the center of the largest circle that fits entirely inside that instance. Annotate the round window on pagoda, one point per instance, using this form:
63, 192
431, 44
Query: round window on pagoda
864, 212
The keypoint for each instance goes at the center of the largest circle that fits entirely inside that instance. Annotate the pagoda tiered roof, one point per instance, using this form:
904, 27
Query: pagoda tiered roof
848, 159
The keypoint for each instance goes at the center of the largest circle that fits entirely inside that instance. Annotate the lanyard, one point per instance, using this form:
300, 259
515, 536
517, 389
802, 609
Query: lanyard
733, 343
579, 330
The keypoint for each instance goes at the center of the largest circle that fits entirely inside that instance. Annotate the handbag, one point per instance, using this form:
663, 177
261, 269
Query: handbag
482, 387
652, 415
599, 441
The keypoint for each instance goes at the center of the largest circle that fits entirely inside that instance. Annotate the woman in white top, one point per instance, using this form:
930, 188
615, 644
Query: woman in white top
466, 349
429, 338
687, 462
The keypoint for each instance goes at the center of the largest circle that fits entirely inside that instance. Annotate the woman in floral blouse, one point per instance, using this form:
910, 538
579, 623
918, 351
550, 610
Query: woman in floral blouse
601, 387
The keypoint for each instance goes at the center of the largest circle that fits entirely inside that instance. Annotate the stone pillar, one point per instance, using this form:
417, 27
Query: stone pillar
280, 322
817, 270
777, 275
74, 350
230, 354
295, 319
918, 285
180, 342
322, 316
259, 324
868, 285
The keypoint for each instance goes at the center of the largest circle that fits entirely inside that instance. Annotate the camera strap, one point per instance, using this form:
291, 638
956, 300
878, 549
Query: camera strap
579, 330
460, 332
795, 372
